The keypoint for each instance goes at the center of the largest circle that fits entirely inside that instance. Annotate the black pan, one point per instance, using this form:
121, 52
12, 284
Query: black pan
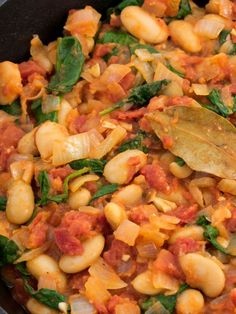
19, 20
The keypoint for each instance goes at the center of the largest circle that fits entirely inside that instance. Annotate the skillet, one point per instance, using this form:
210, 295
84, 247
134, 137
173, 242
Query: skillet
19, 20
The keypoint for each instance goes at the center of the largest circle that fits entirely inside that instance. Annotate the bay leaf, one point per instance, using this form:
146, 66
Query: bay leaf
202, 138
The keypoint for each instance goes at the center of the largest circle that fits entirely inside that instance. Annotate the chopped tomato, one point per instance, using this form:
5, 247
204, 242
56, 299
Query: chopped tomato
128, 81
156, 177
168, 263
38, 231
101, 50
129, 115
185, 213
231, 222
30, 67
61, 172
67, 243
74, 228
115, 253
183, 246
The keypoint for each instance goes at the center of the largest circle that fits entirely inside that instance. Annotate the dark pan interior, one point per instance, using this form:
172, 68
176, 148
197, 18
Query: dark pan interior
19, 20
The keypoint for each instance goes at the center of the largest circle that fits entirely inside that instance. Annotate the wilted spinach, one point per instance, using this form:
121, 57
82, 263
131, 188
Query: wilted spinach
118, 38
70, 61
13, 109
134, 143
3, 203
9, 251
104, 190
138, 96
95, 165
125, 3
40, 117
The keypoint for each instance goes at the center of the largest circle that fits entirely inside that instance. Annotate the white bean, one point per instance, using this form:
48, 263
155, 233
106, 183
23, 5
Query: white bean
20, 202
35, 307
45, 264
203, 273
79, 198
227, 186
180, 172
143, 284
182, 34
143, 25
130, 195
10, 82
193, 232
92, 249
46, 135
114, 214
190, 301
118, 170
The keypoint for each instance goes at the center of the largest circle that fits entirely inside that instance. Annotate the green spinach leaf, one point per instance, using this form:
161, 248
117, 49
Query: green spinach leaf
180, 161
134, 143
218, 105
49, 297
21, 267
13, 109
40, 117
169, 66
184, 10
138, 96
210, 233
44, 184
125, 3
118, 38
104, 190
9, 251
96, 165
169, 302
70, 61
223, 36
3, 203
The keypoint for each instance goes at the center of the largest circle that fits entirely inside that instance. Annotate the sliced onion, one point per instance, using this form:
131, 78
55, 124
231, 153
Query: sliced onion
71, 148
162, 72
200, 89
5, 117
148, 250
81, 305
101, 270
50, 103
78, 182
114, 138
127, 232
144, 55
95, 291
39, 54
165, 282
63, 112
95, 138
157, 308
144, 68
209, 28
33, 253
226, 8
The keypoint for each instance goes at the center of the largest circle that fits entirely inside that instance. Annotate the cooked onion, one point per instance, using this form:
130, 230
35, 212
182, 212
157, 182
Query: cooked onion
164, 281
39, 54
32, 253
157, 308
78, 182
63, 112
106, 275
114, 138
95, 291
209, 28
81, 305
148, 250
127, 232
144, 68
200, 89
71, 148
50, 103
162, 72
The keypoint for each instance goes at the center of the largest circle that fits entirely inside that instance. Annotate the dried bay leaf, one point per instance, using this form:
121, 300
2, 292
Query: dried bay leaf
205, 140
